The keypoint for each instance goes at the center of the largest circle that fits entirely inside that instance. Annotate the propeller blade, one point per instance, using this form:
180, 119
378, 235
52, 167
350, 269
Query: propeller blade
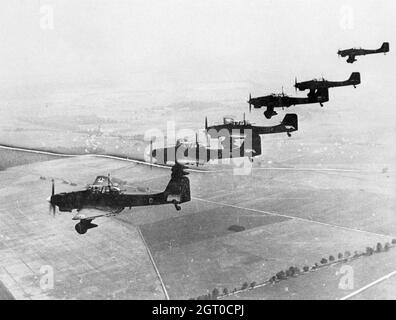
151, 153
52, 208
206, 123
250, 103
197, 148
176, 147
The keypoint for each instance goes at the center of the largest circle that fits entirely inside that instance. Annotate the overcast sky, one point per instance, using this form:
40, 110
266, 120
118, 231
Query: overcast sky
185, 41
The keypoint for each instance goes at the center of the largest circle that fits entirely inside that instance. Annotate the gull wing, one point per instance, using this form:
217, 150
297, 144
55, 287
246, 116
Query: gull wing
91, 214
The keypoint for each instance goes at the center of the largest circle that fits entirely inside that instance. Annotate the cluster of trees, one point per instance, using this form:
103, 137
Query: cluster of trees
295, 271
210, 295
216, 292
379, 248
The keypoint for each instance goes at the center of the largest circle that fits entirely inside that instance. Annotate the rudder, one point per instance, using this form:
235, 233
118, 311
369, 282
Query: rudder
385, 47
355, 77
291, 119
178, 188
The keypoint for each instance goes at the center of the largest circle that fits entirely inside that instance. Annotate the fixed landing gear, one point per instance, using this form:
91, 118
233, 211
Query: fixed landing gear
177, 206
80, 228
351, 60
289, 134
83, 226
269, 113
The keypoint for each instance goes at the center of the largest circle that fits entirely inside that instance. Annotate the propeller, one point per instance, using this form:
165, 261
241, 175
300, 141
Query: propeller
52, 207
197, 148
295, 84
206, 123
250, 104
177, 145
151, 153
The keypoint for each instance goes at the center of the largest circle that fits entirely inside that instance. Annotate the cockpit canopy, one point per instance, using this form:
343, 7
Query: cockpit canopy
235, 122
102, 181
103, 184
228, 120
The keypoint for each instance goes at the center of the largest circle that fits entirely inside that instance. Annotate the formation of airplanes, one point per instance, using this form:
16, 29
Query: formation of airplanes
318, 88
236, 139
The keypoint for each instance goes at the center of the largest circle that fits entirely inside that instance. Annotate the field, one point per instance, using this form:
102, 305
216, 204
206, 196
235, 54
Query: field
288, 220
375, 272
9, 158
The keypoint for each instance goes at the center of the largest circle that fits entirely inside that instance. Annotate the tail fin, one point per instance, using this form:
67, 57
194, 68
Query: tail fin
291, 119
250, 147
385, 47
178, 188
354, 78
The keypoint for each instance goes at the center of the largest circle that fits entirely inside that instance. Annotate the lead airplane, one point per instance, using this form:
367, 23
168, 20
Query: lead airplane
273, 101
353, 52
104, 199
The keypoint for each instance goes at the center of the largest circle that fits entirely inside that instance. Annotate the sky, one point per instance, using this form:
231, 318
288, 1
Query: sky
133, 58
178, 42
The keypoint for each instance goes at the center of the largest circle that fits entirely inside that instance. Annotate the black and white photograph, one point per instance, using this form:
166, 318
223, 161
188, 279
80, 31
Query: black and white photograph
214, 150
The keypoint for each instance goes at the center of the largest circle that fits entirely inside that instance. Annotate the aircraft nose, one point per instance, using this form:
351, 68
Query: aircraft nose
49, 199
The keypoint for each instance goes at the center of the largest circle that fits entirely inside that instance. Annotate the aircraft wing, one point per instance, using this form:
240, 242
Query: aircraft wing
91, 214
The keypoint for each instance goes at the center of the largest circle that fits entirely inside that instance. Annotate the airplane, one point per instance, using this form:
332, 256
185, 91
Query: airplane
315, 84
104, 199
194, 153
353, 52
273, 101
229, 126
